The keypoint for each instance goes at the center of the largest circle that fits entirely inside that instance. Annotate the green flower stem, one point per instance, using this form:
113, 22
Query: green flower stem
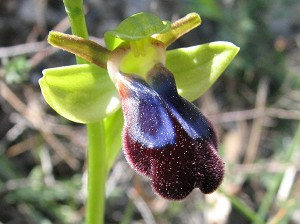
74, 9
95, 131
96, 174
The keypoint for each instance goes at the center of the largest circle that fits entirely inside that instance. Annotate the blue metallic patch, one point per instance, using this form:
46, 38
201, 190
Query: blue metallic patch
146, 117
191, 119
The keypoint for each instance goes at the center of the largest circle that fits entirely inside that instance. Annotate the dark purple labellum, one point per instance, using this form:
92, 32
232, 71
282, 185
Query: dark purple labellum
167, 138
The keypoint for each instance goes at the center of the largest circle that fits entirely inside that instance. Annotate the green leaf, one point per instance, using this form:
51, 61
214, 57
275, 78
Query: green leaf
113, 125
80, 93
197, 68
138, 26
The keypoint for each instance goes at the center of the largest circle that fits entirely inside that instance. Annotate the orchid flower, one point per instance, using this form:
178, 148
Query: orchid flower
165, 137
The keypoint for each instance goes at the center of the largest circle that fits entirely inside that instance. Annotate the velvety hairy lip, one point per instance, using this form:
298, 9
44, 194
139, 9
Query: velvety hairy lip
166, 137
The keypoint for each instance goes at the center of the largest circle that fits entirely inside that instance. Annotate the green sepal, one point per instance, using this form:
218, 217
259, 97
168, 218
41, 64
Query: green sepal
80, 93
138, 26
197, 68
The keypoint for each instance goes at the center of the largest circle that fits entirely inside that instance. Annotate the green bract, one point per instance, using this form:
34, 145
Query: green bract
85, 94
113, 125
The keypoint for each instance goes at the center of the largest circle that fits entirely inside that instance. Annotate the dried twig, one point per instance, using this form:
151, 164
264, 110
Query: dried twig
22, 146
27, 48
257, 127
242, 115
36, 119
256, 168
142, 206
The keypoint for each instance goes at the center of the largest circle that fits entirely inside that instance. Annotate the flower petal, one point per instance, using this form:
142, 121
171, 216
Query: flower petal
166, 138
189, 117
179, 28
145, 114
86, 49
148, 126
193, 161
188, 164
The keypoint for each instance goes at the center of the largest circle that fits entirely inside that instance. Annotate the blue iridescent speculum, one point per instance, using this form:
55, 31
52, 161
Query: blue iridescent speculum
165, 137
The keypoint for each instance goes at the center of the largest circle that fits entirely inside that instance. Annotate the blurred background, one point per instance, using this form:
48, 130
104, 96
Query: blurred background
255, 106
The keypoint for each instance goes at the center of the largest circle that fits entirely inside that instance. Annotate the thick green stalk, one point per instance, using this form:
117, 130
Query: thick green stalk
96, 134
96, 173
